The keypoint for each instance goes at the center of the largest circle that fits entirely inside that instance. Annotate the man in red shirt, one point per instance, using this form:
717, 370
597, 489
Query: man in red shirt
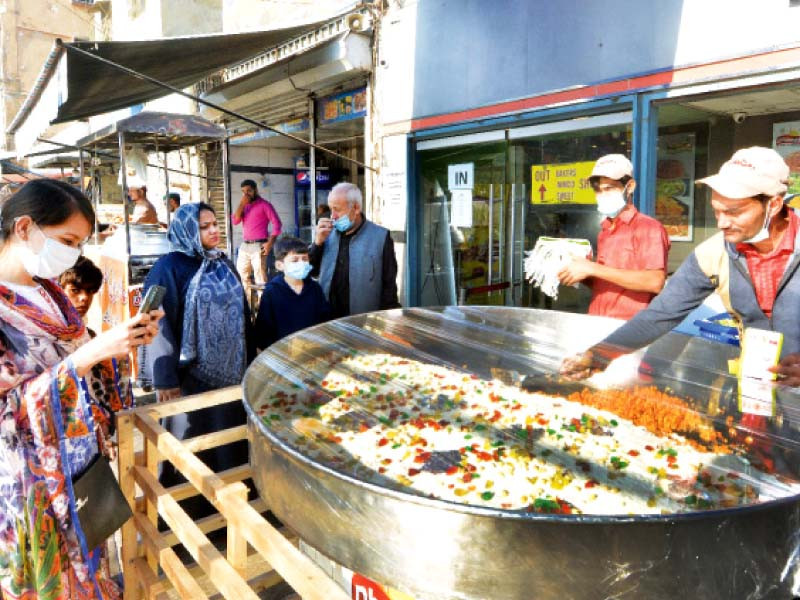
632, 248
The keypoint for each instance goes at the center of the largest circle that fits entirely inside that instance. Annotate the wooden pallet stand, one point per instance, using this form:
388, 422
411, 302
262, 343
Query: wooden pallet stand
257, 556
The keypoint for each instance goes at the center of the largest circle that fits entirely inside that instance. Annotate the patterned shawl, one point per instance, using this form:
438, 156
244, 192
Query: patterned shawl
213, 343
42, 549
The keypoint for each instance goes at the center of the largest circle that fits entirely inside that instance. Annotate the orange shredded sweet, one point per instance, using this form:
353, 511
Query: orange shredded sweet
656, 411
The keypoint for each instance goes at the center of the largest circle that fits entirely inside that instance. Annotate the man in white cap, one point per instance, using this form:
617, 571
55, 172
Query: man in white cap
632, 248
752, 263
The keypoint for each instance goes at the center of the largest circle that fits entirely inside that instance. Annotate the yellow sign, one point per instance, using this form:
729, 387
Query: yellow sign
565, 183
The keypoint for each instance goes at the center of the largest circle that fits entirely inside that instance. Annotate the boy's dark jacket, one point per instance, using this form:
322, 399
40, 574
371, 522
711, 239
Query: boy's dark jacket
282, 311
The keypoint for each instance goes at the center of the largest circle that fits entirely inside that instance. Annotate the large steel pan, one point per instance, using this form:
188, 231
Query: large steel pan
435, 549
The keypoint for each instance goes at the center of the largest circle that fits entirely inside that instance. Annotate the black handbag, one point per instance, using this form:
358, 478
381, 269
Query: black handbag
99, 502
100, 506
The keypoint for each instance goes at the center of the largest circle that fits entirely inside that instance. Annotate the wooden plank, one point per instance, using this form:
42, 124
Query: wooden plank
217, 438
183, 582
192, 403
191, 467
213, 522
151, 460
297, 569
226, 579
237, 544
125, 458
153, 587
187, 490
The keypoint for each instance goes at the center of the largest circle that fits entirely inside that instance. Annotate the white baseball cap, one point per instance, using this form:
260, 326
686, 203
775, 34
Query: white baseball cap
613, 166
750, 172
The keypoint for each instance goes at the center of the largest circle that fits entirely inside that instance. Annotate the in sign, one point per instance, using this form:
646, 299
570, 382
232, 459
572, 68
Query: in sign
461, 177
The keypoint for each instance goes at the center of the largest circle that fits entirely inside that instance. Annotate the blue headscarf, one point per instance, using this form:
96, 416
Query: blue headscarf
213, 343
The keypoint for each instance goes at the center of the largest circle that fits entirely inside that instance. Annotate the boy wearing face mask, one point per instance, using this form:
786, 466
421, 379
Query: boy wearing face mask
291, 300
632, 248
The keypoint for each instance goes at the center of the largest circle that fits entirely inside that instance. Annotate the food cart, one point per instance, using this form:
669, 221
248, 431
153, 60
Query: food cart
345, 418
126, 257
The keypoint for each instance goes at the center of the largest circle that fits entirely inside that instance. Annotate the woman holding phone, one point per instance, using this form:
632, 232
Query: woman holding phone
202, 342
58, 393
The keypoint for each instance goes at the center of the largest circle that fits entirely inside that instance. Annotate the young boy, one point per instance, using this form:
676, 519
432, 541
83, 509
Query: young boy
291, 300
81, 283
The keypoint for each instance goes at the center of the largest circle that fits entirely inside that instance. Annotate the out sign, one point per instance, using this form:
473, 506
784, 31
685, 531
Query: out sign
461, 177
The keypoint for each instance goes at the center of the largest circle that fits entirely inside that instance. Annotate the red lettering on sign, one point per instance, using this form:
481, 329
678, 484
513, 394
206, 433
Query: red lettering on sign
363, 588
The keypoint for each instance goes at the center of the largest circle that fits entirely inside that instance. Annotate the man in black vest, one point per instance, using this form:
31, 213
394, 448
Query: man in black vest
369, 281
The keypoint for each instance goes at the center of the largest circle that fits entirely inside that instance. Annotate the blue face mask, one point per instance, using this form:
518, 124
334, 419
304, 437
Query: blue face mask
343, 223
297, 270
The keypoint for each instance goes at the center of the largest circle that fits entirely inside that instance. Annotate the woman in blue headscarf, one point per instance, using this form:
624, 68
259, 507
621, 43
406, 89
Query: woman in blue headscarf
202, 343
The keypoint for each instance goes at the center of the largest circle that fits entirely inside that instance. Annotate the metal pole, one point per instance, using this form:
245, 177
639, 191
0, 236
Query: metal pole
125, 202
96, 200
199, 100
312, 164
511, 249
80, 169
491, 236
226, 194
166, 188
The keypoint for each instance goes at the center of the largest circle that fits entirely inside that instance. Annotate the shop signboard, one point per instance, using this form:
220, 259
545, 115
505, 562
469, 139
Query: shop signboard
675, 185
292, 126
786, 141
562, 183
343, 106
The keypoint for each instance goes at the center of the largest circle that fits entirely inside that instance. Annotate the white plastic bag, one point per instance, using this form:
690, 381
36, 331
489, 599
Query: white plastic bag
549, 256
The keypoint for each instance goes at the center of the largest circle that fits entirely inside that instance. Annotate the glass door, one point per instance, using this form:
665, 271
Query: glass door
464, 220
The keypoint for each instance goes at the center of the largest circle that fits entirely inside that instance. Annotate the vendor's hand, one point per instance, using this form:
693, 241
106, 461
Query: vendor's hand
168, 394
266, 247
576, 271
324, 228
580, 366
788, 370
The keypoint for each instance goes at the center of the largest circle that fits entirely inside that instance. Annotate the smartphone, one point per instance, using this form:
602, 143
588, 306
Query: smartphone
152, 299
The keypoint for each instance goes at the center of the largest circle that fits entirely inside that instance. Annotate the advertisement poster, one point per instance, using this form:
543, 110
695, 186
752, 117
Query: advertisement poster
564, 183
675, 185
343, 106
786, 142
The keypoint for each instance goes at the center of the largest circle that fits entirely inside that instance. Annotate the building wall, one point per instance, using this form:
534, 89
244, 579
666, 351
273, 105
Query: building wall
150, 19
28, 30
473, 53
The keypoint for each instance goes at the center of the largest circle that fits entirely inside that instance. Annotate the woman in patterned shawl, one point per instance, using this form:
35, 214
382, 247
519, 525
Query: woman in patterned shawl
202, 343
49, 368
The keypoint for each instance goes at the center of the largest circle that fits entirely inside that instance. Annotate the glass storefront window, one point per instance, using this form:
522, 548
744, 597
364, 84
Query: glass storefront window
473, 244
549, 176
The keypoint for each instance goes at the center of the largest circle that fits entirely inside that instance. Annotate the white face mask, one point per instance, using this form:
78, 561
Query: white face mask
610, 204
51, 261
763, 233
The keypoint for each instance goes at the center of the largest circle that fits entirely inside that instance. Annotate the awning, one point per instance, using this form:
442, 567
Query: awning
86, 87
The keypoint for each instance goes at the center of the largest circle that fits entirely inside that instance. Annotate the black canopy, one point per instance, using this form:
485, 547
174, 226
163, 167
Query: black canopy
93, 87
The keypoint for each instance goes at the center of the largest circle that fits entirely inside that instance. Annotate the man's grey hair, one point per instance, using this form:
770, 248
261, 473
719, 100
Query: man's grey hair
349, 191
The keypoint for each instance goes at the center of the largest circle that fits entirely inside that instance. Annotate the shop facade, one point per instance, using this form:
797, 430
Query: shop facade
486, 179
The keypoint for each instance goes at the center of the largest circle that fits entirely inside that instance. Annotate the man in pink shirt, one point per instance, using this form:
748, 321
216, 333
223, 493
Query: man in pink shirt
632, 248
261, 226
